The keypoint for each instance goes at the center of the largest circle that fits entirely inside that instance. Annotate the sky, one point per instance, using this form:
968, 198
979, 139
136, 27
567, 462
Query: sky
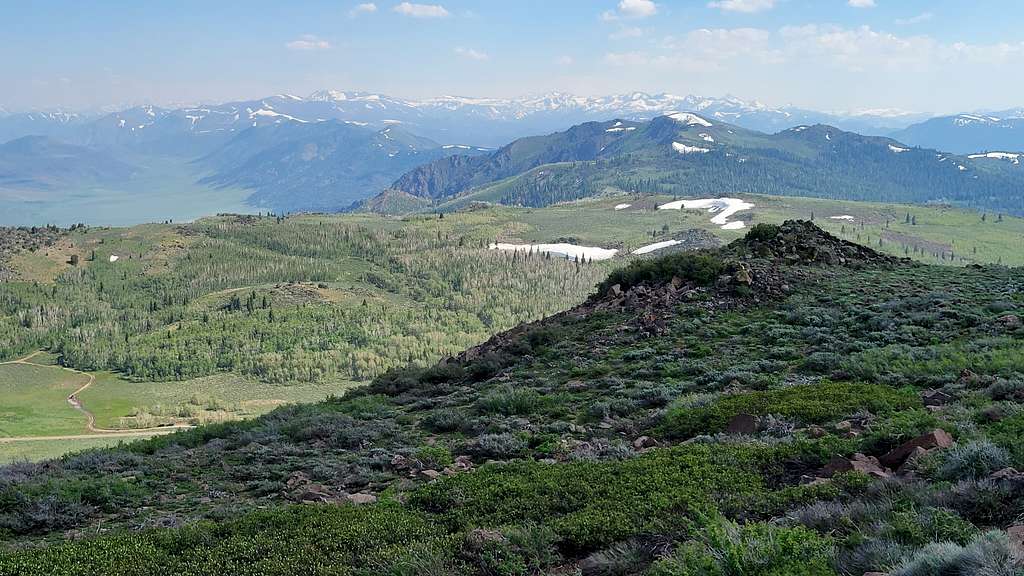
835, 55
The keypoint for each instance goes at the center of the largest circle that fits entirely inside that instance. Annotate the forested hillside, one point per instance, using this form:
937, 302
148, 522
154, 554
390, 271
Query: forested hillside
789, 404
293, 300
686, 155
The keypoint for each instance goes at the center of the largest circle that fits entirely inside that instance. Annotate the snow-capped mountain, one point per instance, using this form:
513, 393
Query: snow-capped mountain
450, 119
966, 133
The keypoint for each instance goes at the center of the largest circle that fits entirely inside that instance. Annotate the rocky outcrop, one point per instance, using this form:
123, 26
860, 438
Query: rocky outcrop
937, 438
801, 242
857, 463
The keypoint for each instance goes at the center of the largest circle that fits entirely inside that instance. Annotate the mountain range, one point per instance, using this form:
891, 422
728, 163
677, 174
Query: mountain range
488, 122
692, 155
967, 133
330, 149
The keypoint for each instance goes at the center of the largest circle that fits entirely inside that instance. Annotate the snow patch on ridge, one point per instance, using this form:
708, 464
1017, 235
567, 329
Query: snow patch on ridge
723, 208
1015, 158
569, 251
656, 246
684, 149
689, 119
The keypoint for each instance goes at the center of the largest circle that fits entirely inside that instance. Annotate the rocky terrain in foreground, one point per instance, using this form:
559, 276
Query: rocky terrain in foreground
788, 404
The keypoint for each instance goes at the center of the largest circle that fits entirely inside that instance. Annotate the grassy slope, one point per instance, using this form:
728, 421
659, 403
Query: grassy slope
159, 247
34, 401
562, 402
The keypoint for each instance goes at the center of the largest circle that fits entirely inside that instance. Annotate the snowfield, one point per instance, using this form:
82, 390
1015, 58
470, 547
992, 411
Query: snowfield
622, 206
684, 149
842, 217
723, 208
897, 149
113, 258
1015, 158
689, 119
570, 251
656, 246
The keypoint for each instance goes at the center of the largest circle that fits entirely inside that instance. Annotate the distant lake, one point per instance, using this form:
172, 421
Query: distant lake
166, 191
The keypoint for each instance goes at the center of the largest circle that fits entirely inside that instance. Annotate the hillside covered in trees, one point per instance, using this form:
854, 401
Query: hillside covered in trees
279, 300
791, 403
685, 154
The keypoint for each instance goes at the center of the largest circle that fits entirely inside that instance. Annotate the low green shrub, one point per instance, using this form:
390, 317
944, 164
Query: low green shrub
1007, 433
807, 404
762, 232
989, 554
754, 549
701, 269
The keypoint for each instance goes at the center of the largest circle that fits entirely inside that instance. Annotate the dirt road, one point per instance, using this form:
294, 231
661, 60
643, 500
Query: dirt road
90, 423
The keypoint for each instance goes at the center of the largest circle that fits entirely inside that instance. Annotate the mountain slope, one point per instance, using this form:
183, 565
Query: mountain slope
746, 410
687, 154
323, 166
968, 133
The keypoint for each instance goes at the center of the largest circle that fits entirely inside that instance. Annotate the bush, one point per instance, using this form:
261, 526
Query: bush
433, 456
445, 420
972, 461
807, 404
754, 549
592, 505
701, 269
510, 401
504, 445
762, 232
989, 555
1007, 433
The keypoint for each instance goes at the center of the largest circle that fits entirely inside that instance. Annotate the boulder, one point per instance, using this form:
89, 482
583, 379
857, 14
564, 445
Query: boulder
361, 498
742, 275
937, 438
313, 493
1010, 321
431, 474
816, 431
742, 424
906, 466
615, 291
858, 463
644, 442
1016, 534
463, 462
935, 398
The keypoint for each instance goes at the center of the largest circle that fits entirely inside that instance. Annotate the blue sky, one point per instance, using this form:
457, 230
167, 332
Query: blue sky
920, 55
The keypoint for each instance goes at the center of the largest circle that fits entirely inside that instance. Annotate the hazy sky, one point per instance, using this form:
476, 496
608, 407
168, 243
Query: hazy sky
920, 55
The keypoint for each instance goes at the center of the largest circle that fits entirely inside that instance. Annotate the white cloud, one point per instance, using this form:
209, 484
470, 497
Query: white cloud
637, 8
861, 3
422, 10
631, 9
366, 8
564, 60
745, 6
922, 17
471, 54
308, 42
